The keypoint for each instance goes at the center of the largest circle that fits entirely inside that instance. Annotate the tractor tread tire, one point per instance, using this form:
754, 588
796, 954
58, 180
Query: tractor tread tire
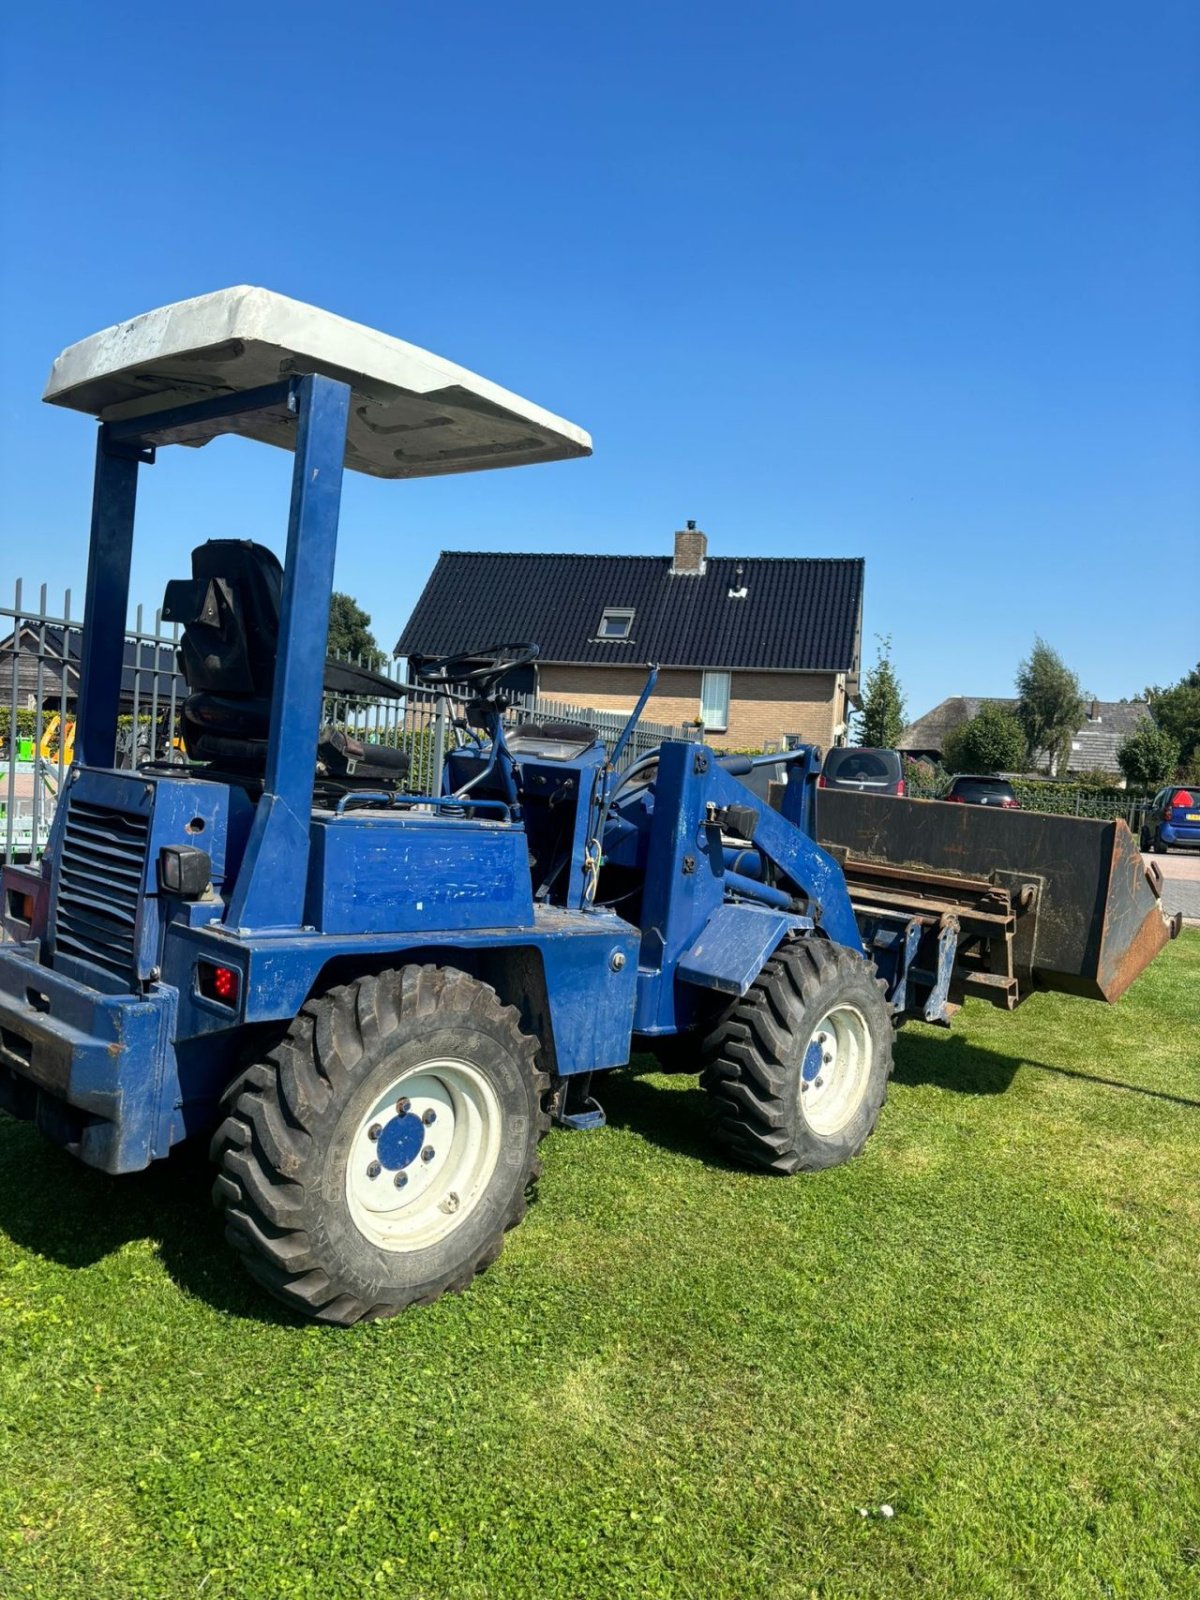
280, 1112
753, 1058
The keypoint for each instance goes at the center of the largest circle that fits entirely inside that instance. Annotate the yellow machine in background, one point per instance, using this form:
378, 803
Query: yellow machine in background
58, 737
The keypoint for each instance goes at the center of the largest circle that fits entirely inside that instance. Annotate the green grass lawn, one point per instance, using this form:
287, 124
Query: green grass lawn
680, 1379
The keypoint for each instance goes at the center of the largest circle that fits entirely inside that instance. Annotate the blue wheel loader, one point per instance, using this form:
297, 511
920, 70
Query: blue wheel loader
375, 1003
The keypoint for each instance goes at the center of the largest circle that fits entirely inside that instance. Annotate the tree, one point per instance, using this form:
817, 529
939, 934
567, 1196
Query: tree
1148, 755
881, 720
1050, 704
350, 631
992, 741
1177, 712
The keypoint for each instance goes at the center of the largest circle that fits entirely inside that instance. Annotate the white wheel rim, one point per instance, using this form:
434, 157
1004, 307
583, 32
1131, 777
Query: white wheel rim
835, 1070
421, 1158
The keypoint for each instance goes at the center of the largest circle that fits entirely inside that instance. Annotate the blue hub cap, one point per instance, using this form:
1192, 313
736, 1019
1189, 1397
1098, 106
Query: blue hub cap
400, 1141
812, 1063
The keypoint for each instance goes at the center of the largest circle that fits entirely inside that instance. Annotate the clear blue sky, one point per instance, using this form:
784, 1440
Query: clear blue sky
917, 282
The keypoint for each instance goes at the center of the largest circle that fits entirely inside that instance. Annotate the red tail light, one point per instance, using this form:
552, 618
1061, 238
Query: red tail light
900, 787
1183, 797
956, 797
218, 983
821, 784
1011, 805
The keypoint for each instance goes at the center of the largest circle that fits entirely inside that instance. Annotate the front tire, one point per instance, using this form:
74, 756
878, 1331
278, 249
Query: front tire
798, 1070
375, 1158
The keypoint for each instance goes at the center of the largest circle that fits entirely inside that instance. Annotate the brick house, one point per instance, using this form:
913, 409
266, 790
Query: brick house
756, 648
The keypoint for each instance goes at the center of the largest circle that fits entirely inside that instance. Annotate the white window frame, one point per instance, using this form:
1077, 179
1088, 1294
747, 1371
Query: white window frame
716, 690
615, 614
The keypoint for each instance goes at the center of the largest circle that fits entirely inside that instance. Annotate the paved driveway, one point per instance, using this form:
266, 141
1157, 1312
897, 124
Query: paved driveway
1181, 882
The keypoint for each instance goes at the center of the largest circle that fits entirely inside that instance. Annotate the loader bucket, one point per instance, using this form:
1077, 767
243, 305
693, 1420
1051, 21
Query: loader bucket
1097, 915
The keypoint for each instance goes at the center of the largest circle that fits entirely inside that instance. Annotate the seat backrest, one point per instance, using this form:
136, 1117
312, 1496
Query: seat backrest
229, 610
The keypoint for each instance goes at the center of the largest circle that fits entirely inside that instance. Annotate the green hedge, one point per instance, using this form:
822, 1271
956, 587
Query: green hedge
925, 780
26, 722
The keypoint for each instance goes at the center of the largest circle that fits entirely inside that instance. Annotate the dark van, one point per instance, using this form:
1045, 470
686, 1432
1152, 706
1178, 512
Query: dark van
866, 771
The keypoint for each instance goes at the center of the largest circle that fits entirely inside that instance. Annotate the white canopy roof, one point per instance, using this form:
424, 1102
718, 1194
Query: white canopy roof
412, 415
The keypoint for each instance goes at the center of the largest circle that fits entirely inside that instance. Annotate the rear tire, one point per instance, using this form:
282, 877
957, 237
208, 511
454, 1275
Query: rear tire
375, 1158
798, 1070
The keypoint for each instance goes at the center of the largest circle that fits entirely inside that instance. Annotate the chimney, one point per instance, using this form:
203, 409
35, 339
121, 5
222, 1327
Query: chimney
691, 547
1094, 713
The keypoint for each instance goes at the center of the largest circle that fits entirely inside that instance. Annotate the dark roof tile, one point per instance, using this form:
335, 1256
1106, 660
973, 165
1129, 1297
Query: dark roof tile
799, 614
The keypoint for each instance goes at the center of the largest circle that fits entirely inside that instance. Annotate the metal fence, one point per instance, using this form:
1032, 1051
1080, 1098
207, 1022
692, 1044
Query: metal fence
40, 657
1065, 800
37, 684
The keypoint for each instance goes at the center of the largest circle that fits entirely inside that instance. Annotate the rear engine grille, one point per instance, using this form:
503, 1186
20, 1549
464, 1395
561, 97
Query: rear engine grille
99, 887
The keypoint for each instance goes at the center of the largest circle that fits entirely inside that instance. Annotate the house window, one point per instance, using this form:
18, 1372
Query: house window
714, 701
616, 624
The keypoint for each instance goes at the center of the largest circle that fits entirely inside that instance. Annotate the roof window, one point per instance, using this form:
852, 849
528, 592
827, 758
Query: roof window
616, 624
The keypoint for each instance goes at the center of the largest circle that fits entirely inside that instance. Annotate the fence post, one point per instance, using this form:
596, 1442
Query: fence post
39, 726
439, 745
10, 798
64, 689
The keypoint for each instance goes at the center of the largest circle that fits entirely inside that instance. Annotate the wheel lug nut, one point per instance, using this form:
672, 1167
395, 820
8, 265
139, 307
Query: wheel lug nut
402, 1106
374, 1170
373, 1132
427, 1153
429, 1116
400, 1179
817, 1084
827, 1057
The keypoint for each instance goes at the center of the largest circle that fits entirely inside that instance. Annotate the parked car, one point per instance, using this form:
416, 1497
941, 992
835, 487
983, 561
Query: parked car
1172, 818
863, 770
982, 789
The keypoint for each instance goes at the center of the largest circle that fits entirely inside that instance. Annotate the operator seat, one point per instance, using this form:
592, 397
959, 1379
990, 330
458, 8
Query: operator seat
229, 610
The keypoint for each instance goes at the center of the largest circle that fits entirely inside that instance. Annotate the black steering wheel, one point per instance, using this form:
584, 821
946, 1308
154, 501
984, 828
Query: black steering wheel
483, 668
